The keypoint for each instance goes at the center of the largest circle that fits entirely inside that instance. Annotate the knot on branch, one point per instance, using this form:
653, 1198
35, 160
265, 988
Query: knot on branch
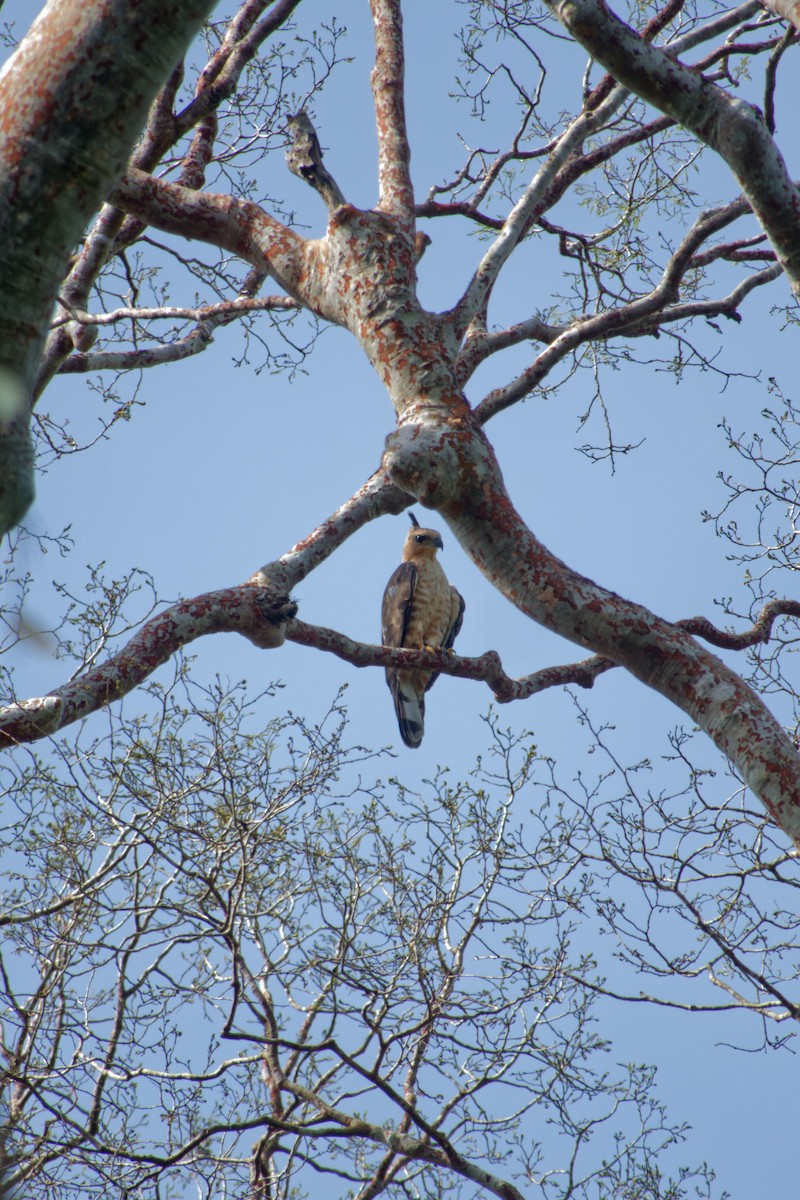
422, 460
441, 462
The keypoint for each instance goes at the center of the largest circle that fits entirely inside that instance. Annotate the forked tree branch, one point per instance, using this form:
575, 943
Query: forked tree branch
256, 613
731, 127
526, 210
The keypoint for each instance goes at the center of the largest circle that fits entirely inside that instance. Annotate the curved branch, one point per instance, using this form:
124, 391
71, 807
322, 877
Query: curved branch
731, 127
759, 632
376, 498
256, 613
83, 363
451, 467
485, 668
239, 226
222, 312
208, 316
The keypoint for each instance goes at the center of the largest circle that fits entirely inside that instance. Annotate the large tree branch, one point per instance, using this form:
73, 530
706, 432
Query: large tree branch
256, 613
165, 128
258, 609
239, 226
728, 125
57, 156
450, 466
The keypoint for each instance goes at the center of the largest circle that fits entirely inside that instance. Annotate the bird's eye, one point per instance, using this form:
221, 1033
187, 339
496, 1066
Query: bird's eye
419, 537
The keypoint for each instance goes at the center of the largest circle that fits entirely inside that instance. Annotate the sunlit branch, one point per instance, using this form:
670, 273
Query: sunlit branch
225, 309
377, 497
82, 329
387, 79
178, 350
773, 1009
239, 226
252, 611
410, 1147
477, 294
730, 126
209, 316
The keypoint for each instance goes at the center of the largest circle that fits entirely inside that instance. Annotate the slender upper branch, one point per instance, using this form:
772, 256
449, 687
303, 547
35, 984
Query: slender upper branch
394, 173
644, 314
525, 211
735, 129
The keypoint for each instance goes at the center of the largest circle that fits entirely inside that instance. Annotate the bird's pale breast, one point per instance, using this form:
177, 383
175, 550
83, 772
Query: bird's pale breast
430, 616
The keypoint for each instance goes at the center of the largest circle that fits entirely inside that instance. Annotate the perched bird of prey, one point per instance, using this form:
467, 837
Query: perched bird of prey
420, 608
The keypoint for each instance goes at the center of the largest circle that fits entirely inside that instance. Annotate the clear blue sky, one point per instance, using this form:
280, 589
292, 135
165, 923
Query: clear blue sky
223, 470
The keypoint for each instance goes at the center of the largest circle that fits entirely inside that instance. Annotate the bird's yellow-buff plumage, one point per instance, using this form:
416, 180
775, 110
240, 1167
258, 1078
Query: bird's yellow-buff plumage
420, 608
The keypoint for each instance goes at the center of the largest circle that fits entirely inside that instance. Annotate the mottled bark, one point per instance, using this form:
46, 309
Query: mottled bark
73, 98
788, 9
256, 613
362, 275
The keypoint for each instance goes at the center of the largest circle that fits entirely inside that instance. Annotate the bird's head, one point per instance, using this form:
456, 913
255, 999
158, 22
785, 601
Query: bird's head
421, 543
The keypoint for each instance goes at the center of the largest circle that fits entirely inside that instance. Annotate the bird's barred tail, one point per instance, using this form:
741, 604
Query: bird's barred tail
410, 708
